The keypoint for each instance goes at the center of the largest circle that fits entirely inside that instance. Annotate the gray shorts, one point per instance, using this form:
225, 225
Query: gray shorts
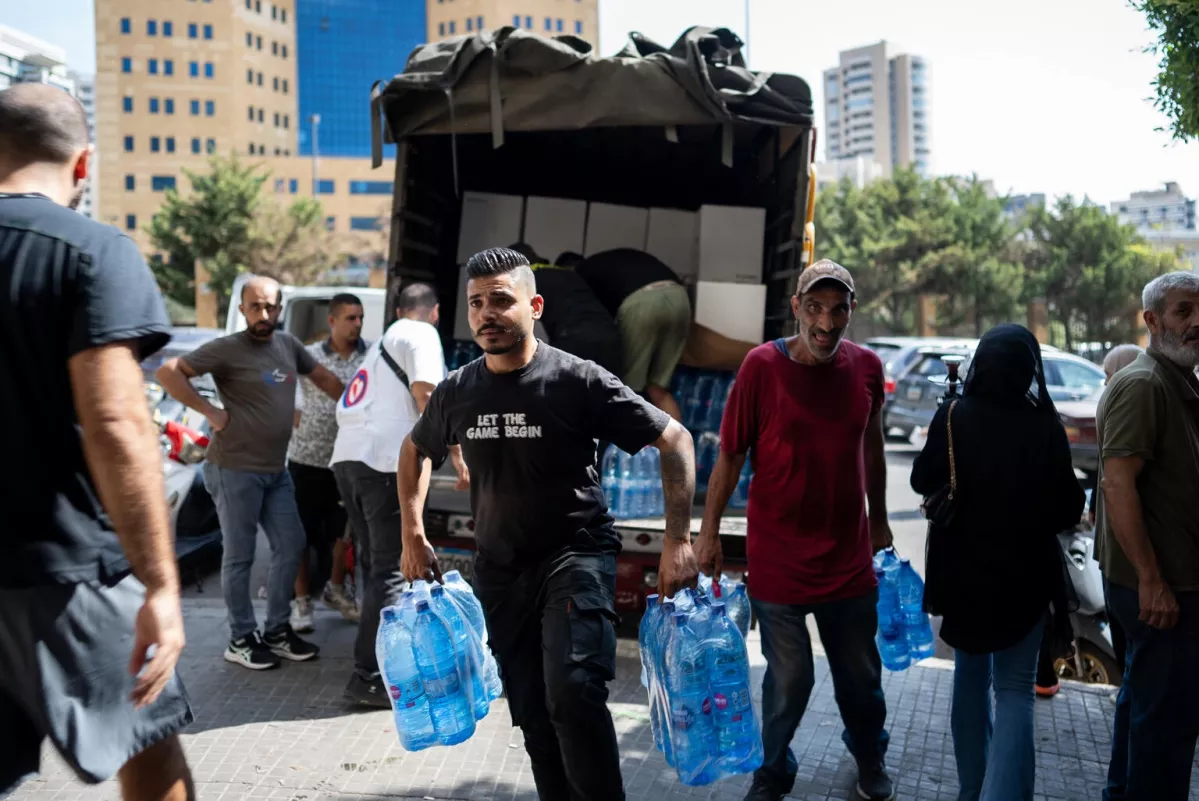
64, 674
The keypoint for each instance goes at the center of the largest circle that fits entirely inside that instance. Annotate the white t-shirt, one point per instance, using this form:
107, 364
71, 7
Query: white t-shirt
377, 411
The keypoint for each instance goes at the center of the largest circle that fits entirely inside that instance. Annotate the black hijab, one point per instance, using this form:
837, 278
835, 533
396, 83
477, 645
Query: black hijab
1006, 367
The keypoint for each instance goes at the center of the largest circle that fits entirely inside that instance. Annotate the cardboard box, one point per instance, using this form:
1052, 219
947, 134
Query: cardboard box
610, 227
554, 226
488, 221
730, 244
673, 239
738, 311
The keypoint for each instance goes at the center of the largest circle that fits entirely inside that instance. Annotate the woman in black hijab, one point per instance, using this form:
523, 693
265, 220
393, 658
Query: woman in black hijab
995, 566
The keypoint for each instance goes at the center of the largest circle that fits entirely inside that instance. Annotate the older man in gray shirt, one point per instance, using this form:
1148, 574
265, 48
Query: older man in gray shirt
255, 372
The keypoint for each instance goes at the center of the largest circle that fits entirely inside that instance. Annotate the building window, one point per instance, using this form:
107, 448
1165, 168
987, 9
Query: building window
275, 84
170, 144
479, 23
284, 86
250, 76
193, 30
324, 186
549, 24
130, 183
579, 27
249, 5
209, 108
258, 42
529, 23
168, 105
128, 144
261, 115
364, 224
130, 222
126, 65
250, 110
260, 79
193, 69
207, 31
286, 121
211, 146
168, 29
126, 25
276, 119
330, 223
274, 11
452, 26
252, 148
152, 66
370, 187
274, 48
258, 6
127, 104
283, 50
516, 20
161, 183
441, 29
293, 186
558, 25
278, 151
195, 145
283, 15
155, 144
154, 105
195, 108
151, 27
470, 24
209, 71
249, 39
168, 66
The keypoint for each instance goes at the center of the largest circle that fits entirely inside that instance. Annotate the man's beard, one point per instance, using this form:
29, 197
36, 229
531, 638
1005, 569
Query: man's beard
1182, 350
518, 336
262, 330
823, 353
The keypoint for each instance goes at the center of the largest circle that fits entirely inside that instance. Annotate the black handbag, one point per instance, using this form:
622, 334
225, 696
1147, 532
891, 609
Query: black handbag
940, 508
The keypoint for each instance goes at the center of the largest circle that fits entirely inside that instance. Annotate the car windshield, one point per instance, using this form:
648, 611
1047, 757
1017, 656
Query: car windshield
886, 352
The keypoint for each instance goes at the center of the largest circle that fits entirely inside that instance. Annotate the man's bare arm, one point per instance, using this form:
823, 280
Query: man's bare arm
876, 467
326, 382
418, 559
120, 443
1122, 503
722, 483
421, 392
678, 480
175, 377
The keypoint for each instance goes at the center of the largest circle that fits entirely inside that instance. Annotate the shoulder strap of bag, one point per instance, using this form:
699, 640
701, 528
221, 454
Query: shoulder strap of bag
400, 374
953, 471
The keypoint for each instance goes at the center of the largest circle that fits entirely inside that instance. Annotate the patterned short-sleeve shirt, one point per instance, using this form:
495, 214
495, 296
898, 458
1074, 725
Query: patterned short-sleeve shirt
312, 442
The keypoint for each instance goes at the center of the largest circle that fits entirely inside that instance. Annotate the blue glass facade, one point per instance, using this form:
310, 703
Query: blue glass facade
343, 47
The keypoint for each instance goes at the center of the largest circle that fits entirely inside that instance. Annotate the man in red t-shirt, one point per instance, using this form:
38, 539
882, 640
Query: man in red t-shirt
806, 409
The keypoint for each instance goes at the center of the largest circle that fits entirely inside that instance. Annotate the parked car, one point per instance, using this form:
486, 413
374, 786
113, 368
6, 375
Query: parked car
1079, 419
1069, 379
900, 354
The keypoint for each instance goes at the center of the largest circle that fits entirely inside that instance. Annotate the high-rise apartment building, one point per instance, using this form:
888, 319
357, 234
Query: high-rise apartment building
1166, 209
876, 107
548, 17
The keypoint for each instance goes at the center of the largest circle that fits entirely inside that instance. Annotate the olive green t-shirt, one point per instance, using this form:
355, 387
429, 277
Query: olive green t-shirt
256, 380
1151, 410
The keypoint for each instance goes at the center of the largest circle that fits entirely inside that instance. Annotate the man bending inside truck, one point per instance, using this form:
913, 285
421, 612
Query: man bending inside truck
527, 416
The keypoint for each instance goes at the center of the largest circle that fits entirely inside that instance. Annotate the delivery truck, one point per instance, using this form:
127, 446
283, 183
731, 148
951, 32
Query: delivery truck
508, 136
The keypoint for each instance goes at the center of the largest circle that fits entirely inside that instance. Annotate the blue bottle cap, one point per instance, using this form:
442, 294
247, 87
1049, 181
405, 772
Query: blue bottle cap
905, 561
879, 573
422, 605
651, 601
389, 615
437, 590
719, 608
680, 619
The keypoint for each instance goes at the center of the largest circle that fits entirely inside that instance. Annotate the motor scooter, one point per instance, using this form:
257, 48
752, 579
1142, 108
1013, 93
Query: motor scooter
1094, 660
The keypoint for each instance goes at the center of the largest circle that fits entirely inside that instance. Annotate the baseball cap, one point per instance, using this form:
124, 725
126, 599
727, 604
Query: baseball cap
821, 271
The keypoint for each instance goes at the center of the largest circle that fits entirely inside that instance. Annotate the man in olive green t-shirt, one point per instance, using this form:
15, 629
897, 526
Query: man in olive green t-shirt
1148, 546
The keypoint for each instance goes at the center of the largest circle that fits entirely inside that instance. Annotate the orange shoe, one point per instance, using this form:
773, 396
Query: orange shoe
1048, 692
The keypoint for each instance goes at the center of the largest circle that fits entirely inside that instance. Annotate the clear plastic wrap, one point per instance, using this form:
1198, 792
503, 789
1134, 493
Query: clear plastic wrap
905, 634
696, 668
735, 597
433, 656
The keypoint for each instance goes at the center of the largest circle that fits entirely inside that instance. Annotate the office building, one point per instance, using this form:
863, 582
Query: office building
1165, 209
858, 169
1019, 205
876, 107
548, 17
27, 59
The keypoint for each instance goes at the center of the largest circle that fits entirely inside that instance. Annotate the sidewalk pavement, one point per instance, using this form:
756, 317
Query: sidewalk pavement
286, 734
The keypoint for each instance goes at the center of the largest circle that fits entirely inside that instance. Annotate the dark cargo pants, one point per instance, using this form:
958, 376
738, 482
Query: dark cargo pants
552, 627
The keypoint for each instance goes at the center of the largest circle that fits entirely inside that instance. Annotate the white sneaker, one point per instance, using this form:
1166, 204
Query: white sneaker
336, 599
301, 615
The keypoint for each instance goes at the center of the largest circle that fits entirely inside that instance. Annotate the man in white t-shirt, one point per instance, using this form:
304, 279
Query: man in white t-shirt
380, 405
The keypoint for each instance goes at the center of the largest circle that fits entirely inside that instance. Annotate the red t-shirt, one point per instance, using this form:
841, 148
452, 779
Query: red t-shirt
804, 427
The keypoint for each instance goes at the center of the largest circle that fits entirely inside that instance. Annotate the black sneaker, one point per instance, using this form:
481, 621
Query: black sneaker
286, 643
874, 784
364, 691
763, 791
251, 652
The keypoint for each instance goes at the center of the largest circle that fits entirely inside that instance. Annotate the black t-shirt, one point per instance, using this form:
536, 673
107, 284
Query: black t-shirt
572, 310
69, 284
528, 438
616, 274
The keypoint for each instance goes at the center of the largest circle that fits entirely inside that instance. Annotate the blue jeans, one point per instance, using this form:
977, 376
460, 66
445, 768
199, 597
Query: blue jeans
1157, 710
243, 501
847, 631
997, 757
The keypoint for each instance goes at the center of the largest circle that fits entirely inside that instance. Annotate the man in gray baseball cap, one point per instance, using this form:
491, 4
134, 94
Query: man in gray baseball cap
809, 407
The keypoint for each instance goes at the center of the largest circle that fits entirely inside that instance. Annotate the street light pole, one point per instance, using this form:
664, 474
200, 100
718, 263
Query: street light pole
315, 119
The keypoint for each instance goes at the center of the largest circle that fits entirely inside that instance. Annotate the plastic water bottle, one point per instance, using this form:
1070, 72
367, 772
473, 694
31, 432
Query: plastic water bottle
648, 619
737, 603
732, 699
740, 498
892, 640
707, 448
472, 610
683, 384
453, 718
626, 487
916, 625
695, 405
466, 648
720, 393
644, 485
661, 632
655, 500
610, 480
690, 705
397, 663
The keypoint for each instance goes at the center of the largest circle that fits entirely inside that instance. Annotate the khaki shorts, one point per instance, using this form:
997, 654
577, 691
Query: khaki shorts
654, 323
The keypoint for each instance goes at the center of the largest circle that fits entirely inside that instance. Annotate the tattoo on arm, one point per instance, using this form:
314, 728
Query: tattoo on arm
678, 488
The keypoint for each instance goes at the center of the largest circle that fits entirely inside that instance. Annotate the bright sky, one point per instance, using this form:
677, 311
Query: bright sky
1038, 95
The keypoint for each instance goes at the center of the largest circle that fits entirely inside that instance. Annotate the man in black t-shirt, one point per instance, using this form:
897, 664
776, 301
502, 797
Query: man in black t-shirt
83, 502
652, 311
527, 416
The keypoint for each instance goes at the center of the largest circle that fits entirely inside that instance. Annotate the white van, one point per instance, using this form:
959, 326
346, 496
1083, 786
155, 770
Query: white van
306, 309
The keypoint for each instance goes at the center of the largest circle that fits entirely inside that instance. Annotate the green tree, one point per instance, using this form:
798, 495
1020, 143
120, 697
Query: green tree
1176, 24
